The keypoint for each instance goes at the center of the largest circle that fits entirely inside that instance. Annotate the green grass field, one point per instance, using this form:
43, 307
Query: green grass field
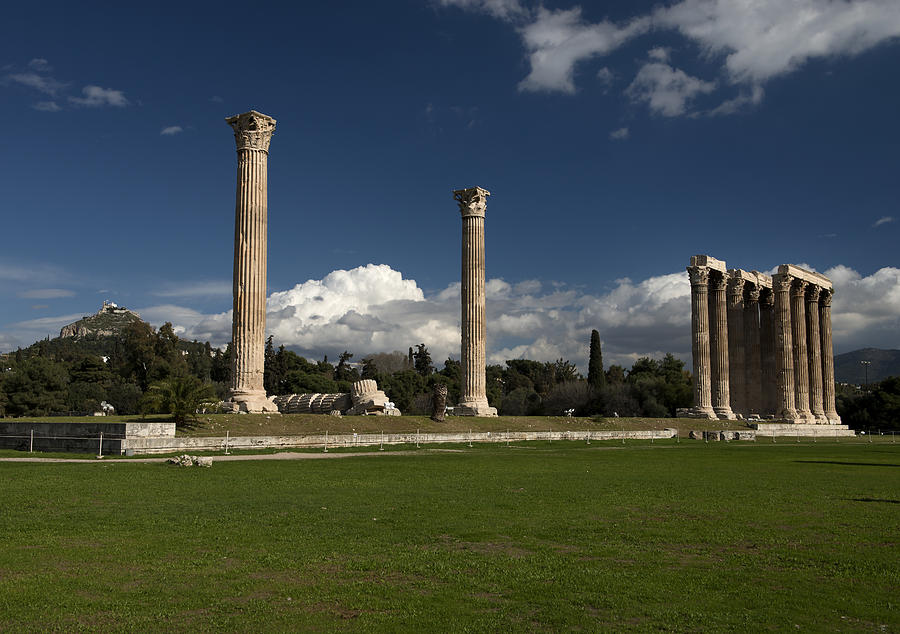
531, 537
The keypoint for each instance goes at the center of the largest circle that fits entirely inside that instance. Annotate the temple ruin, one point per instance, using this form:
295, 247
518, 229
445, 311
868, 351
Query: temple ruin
761, 344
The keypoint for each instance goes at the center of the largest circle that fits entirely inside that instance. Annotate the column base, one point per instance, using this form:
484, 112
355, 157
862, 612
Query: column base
833, 418
725, 413
790, 416
475, 408
808, 417
820, 418
250, 402
705, 413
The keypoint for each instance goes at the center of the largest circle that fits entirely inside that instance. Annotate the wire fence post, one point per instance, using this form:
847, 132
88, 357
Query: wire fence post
382, 441
550, 436
100, 455
31, 444
326, 441
470, 438
417, 438
226, 441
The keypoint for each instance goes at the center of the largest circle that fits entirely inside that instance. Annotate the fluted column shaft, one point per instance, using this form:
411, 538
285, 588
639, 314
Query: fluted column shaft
736, 350
721, 397
814, 352
252, 133
699, 276
752, 353
768, 372
801, 361
784, 353
827, 358
473, 398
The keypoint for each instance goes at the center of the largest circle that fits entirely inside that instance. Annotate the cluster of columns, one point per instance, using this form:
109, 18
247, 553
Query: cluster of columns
761, 345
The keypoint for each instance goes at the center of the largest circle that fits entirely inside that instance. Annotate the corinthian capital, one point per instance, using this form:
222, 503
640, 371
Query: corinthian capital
717, 280
252, 130
736, 287
798, 288
752, 293
699, 275
825, 298
471, 201
781, 282
813, 293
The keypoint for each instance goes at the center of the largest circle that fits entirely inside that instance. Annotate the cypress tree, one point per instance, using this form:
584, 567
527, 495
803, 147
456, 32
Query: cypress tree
596, 377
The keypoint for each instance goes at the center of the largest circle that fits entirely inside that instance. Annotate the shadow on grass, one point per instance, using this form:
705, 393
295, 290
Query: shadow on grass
872, 500
850, 464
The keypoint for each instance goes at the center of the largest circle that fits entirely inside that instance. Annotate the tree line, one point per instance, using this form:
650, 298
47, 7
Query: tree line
144, 370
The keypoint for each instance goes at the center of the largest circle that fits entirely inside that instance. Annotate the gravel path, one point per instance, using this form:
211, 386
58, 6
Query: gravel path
271, 456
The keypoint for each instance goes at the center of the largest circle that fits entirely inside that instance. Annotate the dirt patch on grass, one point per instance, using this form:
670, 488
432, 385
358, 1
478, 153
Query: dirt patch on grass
508, 549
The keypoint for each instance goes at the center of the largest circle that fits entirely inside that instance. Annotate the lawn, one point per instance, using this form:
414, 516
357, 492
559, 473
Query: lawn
536, 536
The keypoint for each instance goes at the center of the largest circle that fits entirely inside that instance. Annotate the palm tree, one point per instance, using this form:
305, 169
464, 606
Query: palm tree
180, 396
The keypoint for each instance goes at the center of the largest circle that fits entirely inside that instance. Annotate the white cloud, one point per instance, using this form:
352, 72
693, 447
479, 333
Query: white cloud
556, 41
766, 38
883, 220
503, 9
47, 106
619, 135
866, 310
95, 96
660, 54
46, 293
40, 65
171, 130
46, 85
666, 90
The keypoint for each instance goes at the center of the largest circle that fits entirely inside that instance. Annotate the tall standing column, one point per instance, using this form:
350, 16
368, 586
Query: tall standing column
801, 362
784, 353
721, 398
770, 398
827, 358
814, 352
252, 134
700, 342
753, 355
473, 399
736, 351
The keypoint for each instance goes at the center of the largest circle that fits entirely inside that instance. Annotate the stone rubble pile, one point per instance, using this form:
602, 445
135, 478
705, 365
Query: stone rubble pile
364, 399
191, 461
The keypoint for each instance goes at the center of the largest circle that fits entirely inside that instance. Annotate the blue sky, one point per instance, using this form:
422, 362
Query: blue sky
617, 139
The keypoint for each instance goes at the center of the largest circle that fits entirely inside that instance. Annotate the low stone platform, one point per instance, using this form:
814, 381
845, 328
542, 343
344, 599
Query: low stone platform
813, 431
82, 437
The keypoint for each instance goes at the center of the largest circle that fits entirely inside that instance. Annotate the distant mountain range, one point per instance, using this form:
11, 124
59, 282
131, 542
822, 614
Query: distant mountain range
849, 369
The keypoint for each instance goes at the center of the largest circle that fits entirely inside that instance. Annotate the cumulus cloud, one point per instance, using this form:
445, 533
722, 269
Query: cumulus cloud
619, 135
374, 309
95, 97
556, 41
667, 91
171, 130
883, 220
754, 41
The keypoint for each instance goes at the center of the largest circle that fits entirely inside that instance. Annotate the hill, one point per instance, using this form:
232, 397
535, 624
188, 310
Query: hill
109, 320
849, 369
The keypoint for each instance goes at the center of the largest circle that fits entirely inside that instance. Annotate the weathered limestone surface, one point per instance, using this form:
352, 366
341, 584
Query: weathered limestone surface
814, 355
769, 383
784, 352
364, 398
438, 402
827, 357
718, 309
736, 348
252, 134
753, 359
699, 276
801, 366
473, 399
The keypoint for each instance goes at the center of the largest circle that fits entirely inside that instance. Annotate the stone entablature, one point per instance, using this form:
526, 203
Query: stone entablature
762, 344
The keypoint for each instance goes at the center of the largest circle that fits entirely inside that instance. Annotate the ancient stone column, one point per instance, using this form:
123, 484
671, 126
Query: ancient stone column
827, 358
473, 399
801, 362
769, 380
252, 133
814, 352
784, 353
753, 354
737, 371
721, 397
700, 341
